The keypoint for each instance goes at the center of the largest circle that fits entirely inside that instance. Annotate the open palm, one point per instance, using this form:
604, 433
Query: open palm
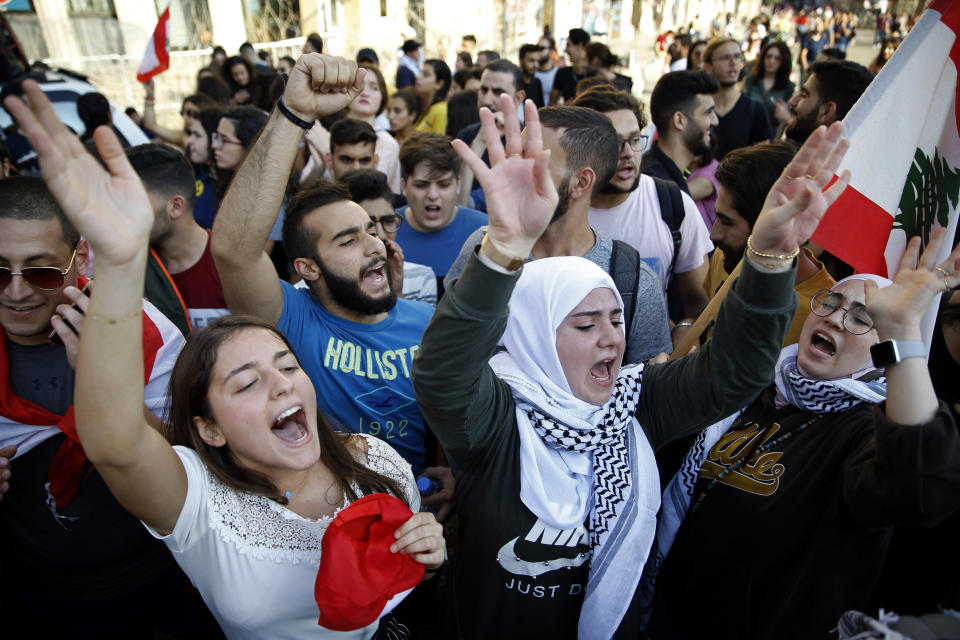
900, 307
520, 193
797, 201
109, 207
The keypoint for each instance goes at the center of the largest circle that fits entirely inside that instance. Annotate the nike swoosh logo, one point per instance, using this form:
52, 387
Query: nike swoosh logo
509, 560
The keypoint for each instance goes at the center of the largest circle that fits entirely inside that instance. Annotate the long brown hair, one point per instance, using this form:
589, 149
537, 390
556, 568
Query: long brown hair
189, 386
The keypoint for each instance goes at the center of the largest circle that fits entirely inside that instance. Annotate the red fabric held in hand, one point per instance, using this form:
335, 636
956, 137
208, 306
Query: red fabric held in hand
358, 573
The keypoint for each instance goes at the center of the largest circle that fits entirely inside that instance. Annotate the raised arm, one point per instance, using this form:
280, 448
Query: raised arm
172, 136
897, 312
687, 394
112, 211
453, 382
318, 85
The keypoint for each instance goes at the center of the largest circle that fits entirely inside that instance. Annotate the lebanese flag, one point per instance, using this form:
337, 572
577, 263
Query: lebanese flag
156, 59
904, 155
26, 424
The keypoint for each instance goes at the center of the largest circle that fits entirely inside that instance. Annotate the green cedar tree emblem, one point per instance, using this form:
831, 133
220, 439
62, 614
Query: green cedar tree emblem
931, 192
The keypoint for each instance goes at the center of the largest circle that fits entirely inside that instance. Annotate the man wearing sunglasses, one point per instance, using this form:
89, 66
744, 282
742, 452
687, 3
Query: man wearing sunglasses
65, 544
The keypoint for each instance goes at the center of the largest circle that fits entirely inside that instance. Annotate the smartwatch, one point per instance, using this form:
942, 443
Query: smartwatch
890, 352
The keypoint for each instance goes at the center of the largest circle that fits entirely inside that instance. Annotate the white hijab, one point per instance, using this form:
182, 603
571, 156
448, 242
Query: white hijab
614, 478
556, 484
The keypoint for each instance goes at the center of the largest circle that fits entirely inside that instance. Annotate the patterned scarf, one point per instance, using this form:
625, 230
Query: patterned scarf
825, 396
578, 461
607, 443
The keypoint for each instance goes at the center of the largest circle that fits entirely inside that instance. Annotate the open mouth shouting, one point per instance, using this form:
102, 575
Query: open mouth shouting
602, 372
376, 273
823, 345
291, 426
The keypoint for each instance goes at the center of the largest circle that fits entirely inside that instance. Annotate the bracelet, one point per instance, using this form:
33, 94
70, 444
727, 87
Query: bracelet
289, 115
111, 321
775, 256
680, 324
510, 263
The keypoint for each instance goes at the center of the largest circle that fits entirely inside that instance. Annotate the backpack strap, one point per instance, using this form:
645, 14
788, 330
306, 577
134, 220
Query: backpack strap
625, 271
671, 211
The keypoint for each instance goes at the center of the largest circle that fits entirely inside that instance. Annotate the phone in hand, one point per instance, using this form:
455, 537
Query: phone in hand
54, 336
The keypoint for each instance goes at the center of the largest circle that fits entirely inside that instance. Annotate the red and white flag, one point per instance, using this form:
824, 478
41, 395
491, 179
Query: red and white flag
26, 424
156, 59
904, 154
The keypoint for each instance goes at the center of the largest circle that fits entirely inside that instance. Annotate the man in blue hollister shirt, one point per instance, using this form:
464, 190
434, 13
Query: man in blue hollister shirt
352, 335
435, 227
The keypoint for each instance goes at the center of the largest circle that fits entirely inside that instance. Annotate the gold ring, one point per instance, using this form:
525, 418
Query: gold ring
945, 274
514, 155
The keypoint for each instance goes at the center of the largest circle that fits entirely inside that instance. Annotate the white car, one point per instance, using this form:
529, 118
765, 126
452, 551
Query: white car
63, 92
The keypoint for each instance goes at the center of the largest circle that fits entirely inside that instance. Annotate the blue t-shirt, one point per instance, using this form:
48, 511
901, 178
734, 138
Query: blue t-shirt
362, 371
205, 206
438, 249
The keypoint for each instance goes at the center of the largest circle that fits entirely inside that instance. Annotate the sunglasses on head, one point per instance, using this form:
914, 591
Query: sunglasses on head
46, 278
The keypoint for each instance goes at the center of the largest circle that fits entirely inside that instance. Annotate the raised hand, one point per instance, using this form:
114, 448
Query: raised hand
521, 196
320, 85
797, 201
109, 207
898, 309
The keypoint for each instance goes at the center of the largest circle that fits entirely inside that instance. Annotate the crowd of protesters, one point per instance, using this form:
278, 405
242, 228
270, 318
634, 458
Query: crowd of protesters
351, 354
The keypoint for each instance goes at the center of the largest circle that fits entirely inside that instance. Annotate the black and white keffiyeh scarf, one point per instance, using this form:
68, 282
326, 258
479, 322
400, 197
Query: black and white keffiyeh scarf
818, 396
579, 463
825, 396
607, 443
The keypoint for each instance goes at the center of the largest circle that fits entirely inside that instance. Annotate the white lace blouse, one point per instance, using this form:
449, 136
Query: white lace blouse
253, 560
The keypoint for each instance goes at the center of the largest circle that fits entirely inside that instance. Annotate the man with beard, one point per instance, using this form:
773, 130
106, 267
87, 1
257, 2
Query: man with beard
583, 157
351, 334
745, 177
629, 208
179, 247
831, 89
547, 70
529, 63
681, 107
742, 120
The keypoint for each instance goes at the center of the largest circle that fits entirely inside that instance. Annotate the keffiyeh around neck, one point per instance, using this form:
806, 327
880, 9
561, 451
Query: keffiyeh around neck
579, 459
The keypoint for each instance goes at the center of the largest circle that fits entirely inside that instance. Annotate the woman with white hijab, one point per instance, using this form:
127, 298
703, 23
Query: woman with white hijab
552, 442
780, 516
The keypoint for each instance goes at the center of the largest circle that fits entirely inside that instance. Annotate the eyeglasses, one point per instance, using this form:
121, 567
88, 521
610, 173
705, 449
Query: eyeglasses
855, 319
637, 143
46, 278
390, 223
216, 138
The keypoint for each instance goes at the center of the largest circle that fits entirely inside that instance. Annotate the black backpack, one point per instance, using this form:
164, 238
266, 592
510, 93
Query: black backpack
625, 260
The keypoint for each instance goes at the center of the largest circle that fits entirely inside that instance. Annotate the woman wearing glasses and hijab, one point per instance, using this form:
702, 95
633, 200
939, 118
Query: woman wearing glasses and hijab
781, 515
551, 440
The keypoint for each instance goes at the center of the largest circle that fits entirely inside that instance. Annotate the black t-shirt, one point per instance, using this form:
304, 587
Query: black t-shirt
742, 126
780, 547
566, 83
92, 548
534, 91
659, 165
42, 375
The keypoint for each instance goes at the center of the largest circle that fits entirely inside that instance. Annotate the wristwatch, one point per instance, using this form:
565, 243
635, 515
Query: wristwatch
890, 352
507, 262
